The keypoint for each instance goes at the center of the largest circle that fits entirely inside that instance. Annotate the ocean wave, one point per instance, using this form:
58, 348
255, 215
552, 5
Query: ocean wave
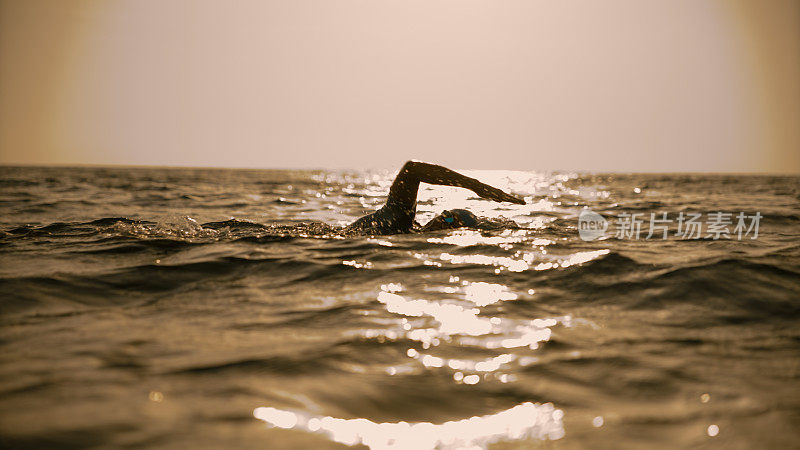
727, 290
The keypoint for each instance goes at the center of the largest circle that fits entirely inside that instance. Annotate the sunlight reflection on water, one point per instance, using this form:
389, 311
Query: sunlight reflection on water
461, 325
524, 421
521, 261
457, 321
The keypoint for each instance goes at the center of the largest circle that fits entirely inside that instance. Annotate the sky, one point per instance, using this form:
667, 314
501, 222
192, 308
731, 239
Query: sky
614, 86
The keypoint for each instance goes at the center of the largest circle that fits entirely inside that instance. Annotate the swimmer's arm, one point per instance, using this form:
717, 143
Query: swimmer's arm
435, 174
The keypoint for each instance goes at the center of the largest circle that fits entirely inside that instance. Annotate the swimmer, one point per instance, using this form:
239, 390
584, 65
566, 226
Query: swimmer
397, 215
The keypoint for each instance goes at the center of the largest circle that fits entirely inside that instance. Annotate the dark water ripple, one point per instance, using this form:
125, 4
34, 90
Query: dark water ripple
168, 307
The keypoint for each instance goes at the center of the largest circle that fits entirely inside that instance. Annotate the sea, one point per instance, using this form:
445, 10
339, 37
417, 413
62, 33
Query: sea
176, 308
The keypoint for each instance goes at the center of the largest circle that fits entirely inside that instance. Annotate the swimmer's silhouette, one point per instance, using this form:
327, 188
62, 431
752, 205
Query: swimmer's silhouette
397, 215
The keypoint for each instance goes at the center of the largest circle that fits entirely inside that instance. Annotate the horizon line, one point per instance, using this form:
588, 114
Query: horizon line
179, 166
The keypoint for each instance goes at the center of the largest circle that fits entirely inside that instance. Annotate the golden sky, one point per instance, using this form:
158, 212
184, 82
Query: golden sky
634, 85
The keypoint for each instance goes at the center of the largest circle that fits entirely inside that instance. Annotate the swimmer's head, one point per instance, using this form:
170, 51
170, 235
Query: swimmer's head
454, 218
466, 218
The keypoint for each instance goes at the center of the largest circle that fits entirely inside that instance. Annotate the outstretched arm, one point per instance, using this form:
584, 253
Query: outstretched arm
403, 192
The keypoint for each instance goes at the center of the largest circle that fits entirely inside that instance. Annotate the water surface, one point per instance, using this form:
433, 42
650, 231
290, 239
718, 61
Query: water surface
189, 308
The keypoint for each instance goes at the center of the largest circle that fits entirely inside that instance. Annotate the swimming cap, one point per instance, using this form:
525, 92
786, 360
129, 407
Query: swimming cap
467, 218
